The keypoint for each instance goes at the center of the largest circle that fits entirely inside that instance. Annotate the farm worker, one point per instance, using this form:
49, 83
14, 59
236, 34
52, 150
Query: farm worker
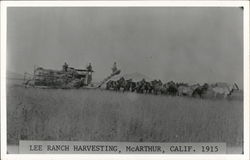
89, 67
65, 67
89, 77
114, 68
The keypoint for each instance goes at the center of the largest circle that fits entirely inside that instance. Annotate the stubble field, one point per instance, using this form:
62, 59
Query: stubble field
99, 115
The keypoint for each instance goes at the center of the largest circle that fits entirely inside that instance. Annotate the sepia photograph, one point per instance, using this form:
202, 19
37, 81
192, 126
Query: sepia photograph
165, 80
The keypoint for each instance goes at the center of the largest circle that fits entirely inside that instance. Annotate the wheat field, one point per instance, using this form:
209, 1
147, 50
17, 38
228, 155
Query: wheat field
99, 115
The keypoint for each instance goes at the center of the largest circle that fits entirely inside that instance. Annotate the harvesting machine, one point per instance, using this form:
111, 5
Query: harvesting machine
64, 79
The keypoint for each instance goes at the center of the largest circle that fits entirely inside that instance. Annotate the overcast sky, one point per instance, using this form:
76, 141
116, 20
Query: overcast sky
181, 44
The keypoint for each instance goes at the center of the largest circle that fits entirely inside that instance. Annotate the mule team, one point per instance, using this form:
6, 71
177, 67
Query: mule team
157, 87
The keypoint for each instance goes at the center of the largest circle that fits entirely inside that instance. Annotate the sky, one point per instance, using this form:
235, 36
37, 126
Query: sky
192, 45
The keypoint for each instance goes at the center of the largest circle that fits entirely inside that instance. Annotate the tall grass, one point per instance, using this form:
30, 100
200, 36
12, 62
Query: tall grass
96, 115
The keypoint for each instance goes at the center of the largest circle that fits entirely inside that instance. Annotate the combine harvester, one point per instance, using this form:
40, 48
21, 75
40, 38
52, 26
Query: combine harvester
71, 78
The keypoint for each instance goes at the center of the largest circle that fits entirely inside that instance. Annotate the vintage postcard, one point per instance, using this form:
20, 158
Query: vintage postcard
116, 80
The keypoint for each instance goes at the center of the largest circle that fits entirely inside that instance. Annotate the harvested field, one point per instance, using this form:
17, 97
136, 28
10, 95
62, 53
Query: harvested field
100, 115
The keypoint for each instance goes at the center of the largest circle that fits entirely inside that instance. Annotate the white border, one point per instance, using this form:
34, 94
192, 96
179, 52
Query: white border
5, 4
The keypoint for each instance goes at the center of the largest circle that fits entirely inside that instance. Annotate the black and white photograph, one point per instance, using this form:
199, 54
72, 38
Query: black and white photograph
99, 78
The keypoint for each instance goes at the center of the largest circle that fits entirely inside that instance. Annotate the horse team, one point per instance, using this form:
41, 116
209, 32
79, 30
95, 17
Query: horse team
222, 90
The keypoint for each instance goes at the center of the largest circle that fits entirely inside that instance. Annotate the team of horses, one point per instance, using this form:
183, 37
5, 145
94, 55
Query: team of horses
157, 87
